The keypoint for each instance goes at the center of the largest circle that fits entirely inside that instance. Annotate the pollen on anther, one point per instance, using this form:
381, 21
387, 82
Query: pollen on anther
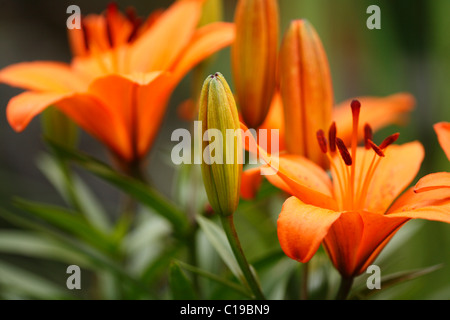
375, 148
322, 141
345, 154
389, 140
368, 135
332, 137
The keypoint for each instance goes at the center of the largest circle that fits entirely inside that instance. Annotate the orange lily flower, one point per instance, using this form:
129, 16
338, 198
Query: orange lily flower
439, 180
355, 213
122, 74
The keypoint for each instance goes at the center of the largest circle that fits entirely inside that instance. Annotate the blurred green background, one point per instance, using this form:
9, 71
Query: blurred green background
410, 53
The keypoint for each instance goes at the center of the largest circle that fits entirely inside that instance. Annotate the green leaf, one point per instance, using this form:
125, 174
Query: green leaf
33, 244
216, 236
393, 279
158, 266
180, 286
89, 206
236, 287
30, 285
70, 222
98, 260
139, 190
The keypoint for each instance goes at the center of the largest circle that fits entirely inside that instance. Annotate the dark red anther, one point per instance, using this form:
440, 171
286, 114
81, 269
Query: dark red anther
85, 35
345, 154
389, 140
135, 21
376, 148
322, 141
332, 137
368, 135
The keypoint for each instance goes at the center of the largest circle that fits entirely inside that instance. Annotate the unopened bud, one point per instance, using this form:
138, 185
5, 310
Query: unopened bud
254, 58
306, 90
221, 145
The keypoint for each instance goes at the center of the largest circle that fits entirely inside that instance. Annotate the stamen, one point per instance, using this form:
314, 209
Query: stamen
332, 137
135, 21
345, 154
368, 135
85, 35
356, 108
375, 148
111, 12
389, 140
322, 141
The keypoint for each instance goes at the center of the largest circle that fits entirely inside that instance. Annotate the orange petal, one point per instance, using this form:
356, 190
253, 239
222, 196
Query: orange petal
395, 172
77, 42
43, 76
98, 120
158, 47
152, 105
431, 205
378, 231
378, 112
301, 228
443, 132
343, 241
97, 33
139, 102
302, 171
204, 42
24, 107
85, 110
295, 175
433, 181
250, 182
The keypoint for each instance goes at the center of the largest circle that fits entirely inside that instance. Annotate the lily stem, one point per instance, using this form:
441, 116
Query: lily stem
344, 288
304, 286
233, 239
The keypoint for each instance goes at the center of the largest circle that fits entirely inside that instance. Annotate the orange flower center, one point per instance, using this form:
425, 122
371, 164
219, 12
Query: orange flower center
353, 188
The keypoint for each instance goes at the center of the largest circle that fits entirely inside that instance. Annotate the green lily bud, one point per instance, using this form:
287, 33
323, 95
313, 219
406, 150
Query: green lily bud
221, 145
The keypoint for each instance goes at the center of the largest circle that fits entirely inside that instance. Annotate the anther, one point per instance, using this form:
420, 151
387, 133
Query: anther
322, 141
389, 140
368, 135
332, 137
375, 148
345, 154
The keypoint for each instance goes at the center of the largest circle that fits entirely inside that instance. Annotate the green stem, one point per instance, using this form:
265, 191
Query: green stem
193, 257
344, 288
304, 286
230, 231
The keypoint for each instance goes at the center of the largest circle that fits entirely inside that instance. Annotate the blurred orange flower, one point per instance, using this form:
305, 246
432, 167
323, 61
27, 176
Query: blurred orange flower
355, 213
439, 180
122, 74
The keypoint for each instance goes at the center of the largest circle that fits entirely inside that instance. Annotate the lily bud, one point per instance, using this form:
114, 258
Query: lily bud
306, 90
254, 58
221, 145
